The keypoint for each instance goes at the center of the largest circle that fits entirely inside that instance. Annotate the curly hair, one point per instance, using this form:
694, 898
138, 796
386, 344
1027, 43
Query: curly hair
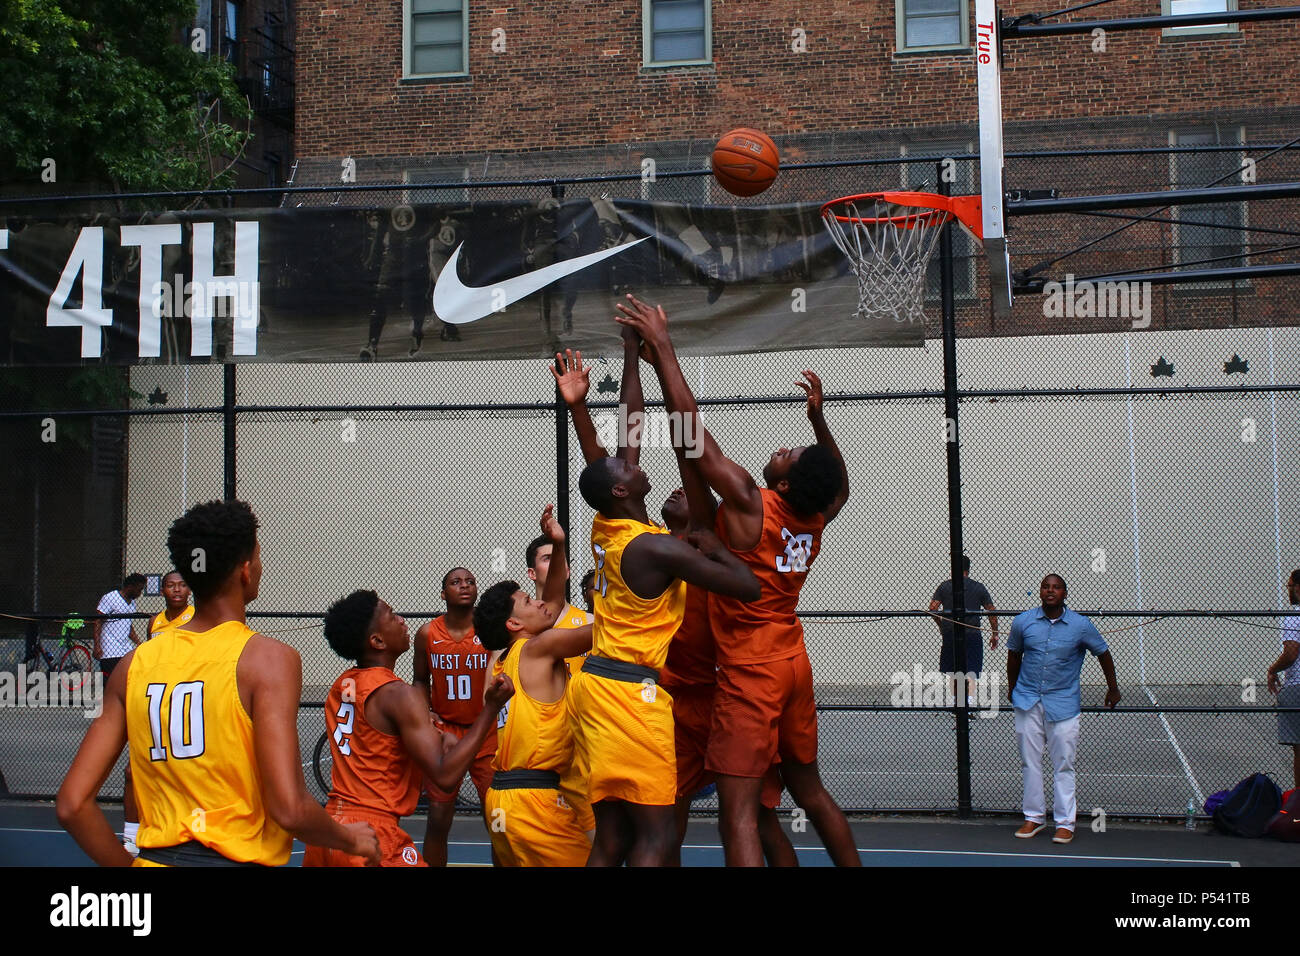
815, 480
209, 541
347, 623
495, 606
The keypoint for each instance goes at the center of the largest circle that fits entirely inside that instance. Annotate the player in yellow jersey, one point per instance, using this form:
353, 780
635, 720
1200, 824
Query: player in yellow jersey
210, 714
538, 559
622, 720
530, 817
178, 611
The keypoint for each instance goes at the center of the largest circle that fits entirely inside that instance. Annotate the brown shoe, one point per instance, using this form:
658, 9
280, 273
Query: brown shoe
1030, 829
1063, 835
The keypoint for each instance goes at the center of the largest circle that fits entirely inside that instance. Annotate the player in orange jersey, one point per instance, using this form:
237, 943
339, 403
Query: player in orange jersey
530, 817
210, 711
764, 706
451, 665
622, 718
380, 734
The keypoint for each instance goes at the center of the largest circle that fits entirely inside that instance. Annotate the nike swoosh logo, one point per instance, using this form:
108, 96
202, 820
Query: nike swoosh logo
457, 303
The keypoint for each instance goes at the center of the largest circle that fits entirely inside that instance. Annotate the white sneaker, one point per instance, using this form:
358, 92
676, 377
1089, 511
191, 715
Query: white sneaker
131, 848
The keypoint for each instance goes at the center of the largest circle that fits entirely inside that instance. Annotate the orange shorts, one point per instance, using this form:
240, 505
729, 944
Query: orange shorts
480, 771
692, 726
623, 736
396, 848
535, 828
762, 712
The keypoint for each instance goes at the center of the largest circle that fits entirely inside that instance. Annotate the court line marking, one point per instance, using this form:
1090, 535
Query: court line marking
1173, 741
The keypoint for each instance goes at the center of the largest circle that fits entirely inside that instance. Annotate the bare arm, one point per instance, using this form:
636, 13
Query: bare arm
558, 575
573, 380
993, 623
75, 805
812, 387
420, 675
728, 479
653, 561
1108, 668
409, 715
561, 643
631, 397
935, 607
272, 672
1290, 652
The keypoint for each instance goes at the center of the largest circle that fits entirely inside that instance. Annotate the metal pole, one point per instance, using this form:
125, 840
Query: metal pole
959, 632
1164, 197
1012, 29
228, 428
562, 443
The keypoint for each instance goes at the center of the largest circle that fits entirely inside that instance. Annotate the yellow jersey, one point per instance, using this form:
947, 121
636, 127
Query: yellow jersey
630, 628
531, 735
160, 620
570, 619
191, 747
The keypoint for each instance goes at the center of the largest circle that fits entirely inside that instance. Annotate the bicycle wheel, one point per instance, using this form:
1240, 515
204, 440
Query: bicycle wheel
76, 662
322, 765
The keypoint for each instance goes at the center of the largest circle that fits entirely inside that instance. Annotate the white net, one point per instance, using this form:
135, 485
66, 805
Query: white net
888, 256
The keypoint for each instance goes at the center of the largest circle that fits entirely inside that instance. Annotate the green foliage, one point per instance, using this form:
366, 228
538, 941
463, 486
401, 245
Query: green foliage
113, 93
59, 389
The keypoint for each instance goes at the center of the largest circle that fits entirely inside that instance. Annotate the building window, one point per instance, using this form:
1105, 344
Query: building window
676, 32
230, 32
925, 25
437, 38
1173, 8
1208, 231
923, 177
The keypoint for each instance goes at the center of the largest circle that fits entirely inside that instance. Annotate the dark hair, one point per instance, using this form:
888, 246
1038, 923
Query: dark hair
533, 547
495, 606
589, 576
453, 571
131, 580
814, 479
170, 573
596, 484
965, 563
347, 623
224, 532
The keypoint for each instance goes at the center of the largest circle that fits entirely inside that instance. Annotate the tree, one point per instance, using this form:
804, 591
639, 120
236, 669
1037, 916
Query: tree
117, 95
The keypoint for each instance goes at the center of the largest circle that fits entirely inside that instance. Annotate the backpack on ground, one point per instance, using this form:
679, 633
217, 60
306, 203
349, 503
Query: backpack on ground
1249, 807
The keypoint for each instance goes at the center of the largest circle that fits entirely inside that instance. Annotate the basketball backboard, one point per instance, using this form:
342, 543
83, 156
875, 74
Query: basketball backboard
988, 66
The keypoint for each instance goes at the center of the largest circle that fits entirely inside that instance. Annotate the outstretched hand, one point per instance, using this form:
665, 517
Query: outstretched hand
812, 387
649, 322
572, 377
499, 691
552, 529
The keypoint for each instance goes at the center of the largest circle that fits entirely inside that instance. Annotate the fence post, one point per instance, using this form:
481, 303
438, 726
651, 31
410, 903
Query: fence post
228, 429
562, 444
954, 507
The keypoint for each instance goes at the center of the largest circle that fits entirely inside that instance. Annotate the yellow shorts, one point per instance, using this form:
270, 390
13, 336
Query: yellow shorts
623, 736
535, 828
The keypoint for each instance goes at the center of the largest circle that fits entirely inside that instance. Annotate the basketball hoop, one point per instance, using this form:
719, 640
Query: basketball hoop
889, 238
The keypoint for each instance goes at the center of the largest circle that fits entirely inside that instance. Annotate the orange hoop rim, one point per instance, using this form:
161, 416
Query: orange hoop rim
967, 210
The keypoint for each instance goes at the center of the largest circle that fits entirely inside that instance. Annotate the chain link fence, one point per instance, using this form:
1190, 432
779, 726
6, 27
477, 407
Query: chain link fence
1146, 464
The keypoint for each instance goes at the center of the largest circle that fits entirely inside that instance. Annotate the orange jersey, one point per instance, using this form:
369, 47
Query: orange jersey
372, 769
456, 673
768, 629
531, 734
627, 627
692, 656
192, 751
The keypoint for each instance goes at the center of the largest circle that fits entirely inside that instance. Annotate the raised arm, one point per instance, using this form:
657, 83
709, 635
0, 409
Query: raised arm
632, 399
812, 387
728, 479
558, 574
560, 643
573, 380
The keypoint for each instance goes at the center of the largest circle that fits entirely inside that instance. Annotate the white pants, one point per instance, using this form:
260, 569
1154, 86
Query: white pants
1062, 739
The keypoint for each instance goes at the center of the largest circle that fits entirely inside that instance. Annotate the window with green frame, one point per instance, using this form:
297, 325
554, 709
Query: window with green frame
677, 32
437, 37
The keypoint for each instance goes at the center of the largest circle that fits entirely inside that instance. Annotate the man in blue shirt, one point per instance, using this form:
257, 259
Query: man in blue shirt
1045, 652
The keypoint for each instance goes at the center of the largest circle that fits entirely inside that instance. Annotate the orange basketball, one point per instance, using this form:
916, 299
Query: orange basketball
745, 162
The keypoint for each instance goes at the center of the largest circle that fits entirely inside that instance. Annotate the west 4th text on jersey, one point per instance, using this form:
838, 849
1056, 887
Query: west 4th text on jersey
452, 662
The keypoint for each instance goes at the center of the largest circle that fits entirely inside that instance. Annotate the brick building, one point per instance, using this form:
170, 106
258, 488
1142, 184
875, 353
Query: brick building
444, 90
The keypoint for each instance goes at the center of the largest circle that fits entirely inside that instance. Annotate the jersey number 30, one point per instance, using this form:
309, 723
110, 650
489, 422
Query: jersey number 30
185, 720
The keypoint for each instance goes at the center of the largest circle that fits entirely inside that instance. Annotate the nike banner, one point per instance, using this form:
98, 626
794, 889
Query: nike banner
491, 279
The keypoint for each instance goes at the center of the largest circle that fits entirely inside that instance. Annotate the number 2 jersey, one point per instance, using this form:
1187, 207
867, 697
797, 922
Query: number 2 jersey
191, 747
372, 769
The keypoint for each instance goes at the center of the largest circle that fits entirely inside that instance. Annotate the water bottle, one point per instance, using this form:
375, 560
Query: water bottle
1191, 814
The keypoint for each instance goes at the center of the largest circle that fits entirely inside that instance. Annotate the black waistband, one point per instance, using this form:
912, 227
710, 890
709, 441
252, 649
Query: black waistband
619, 670
188, 854
525, 780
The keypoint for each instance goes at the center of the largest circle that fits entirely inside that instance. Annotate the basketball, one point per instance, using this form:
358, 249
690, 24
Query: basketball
745, 162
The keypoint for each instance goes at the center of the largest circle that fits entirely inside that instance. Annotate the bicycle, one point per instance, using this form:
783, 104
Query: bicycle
76, 659
322, 767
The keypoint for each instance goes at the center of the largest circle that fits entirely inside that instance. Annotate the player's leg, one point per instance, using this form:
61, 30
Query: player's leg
738, 819
1062, 743
653, 829
613, 833
1030, 734
777, 849
682, 812
441, 812
797, 733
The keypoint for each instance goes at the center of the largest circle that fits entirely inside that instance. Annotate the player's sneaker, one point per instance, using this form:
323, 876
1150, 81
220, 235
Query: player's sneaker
131, 848
371, 352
